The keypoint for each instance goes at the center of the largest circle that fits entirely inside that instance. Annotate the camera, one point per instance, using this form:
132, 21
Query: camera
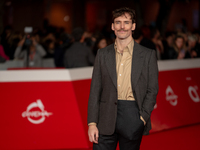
28, 31
28, 40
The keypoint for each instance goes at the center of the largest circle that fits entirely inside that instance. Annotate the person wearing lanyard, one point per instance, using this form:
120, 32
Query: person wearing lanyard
35, 51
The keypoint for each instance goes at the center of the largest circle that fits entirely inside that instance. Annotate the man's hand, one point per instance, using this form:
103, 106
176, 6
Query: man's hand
181, 55
143, 120
93, 133
194, 54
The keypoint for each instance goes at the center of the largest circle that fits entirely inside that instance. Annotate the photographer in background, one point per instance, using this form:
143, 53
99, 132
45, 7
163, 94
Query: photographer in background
34, 51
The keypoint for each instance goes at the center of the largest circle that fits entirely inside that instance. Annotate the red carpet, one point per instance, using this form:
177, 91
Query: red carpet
183, 138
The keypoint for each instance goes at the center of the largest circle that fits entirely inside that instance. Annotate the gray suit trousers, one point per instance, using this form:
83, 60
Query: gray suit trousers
128, 130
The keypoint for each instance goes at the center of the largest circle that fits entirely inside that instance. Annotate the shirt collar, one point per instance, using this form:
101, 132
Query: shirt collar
129, 47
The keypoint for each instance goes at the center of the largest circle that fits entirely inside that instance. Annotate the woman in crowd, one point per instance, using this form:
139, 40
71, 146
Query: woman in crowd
99, 44
178, 49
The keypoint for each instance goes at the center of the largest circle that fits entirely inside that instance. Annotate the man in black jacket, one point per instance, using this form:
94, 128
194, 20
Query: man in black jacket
123, 89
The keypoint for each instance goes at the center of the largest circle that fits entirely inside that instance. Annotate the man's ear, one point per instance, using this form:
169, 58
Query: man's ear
134, 26
112, 26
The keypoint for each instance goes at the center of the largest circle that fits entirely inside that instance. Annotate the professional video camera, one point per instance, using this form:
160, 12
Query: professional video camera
28, 31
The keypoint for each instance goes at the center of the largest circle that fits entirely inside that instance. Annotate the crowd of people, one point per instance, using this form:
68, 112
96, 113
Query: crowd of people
79, 48
174, 45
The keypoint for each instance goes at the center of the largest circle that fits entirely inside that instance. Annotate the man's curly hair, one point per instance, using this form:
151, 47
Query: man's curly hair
122, 11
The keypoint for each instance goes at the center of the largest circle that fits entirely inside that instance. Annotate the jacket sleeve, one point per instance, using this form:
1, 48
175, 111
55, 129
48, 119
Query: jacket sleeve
19, 54
95, 92
40, 50
152, 88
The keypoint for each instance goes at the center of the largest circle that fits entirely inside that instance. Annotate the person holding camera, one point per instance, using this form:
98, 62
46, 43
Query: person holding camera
34, 51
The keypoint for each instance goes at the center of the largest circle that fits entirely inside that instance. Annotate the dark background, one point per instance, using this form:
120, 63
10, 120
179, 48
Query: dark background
96, 15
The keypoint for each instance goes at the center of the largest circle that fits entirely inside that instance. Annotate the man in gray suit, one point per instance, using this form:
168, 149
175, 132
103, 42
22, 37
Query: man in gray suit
123, 89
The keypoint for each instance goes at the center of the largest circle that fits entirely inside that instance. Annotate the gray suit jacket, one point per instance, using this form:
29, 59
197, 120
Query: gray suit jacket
102, 104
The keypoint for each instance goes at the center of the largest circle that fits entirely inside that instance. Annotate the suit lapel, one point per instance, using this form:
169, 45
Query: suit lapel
137, 63
136, 68
110, 60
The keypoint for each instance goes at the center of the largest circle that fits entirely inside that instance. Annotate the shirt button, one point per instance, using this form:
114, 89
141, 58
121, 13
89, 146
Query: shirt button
120, 74
115, 103
122, 64
118, 85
